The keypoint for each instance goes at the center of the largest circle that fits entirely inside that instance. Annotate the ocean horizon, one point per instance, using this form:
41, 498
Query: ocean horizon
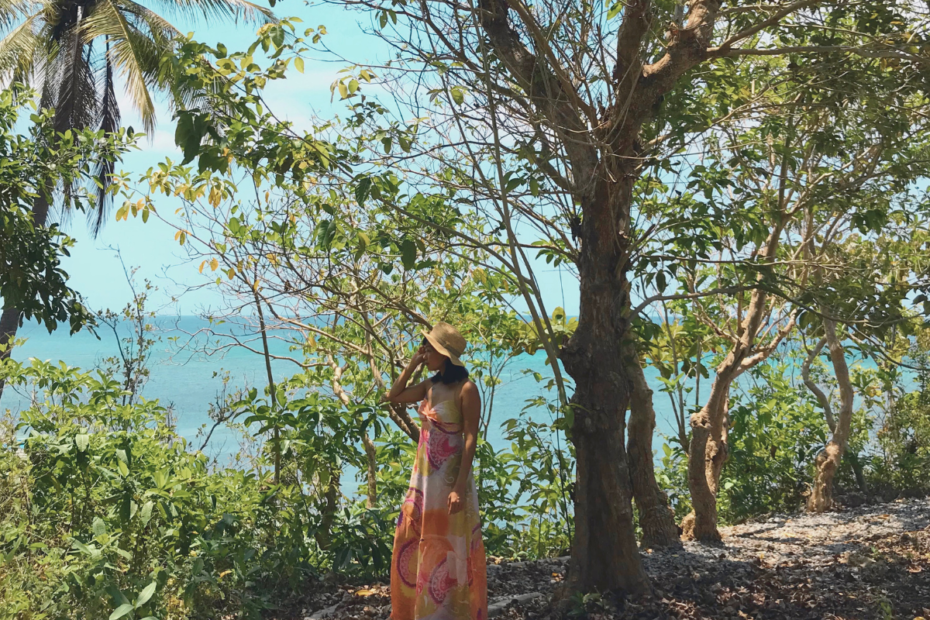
189, 381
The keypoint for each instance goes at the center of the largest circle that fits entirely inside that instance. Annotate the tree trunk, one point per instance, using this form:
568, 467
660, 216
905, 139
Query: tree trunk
604, 552
9, 323
9, 320
655, 517
856, 464
707, 455
323, 533
828, 461
372, 455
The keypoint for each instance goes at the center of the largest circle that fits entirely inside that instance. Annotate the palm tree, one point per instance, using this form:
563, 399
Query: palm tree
72, 51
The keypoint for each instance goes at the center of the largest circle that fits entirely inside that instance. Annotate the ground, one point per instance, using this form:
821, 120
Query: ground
864, 563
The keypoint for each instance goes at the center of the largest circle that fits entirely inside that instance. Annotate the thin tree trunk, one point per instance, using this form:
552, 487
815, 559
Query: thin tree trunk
372, 454
856, 464
709, 452
828, 461
323, 533
814, 388
272, 391
655, 517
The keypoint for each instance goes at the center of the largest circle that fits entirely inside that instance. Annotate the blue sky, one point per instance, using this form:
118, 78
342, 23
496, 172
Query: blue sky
93, 266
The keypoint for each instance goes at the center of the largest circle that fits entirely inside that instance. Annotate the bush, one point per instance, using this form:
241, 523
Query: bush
106, 514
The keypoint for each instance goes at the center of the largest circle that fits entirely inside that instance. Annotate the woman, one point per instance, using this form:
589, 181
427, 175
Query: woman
438, 570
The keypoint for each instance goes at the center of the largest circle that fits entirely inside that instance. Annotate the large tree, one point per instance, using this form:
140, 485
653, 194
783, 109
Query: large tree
577, 90
73, 52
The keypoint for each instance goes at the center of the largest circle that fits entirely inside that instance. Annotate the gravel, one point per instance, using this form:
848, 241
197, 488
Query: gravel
865, 562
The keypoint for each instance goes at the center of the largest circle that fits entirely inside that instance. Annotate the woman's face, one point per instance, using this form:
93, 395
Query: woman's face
435, 361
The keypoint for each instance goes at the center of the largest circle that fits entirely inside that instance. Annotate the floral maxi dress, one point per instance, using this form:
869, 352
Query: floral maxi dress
438, 569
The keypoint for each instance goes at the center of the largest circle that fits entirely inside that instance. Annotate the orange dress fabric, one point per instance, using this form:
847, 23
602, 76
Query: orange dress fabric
439, 571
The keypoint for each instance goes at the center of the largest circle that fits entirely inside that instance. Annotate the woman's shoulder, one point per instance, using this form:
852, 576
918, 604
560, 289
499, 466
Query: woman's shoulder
467, 388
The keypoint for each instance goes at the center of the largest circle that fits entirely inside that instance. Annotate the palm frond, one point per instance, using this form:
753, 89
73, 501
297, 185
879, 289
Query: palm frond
12, 11
235, 10
105, 167
19, 50
135, 55
161, 31
75, 98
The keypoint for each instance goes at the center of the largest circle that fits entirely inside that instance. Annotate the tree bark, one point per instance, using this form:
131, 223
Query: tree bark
828, 461
655, 517
709, 452
9, 320
323, 533
9, 323
602, 152
856, 464
372, 455
604, 551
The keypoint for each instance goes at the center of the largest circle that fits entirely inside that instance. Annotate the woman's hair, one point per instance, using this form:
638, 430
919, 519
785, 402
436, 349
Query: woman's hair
449, 375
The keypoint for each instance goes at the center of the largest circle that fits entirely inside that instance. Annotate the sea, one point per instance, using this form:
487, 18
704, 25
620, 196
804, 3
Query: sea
187, 368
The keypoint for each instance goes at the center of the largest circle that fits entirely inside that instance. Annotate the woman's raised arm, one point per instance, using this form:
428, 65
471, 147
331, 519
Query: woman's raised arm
399, 392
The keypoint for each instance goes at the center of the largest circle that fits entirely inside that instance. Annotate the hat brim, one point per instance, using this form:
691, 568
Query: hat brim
441, 349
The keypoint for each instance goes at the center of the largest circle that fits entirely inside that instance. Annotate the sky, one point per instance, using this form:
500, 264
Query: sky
93, 267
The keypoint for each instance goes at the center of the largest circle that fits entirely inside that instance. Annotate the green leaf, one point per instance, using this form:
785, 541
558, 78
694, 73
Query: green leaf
615, 10
458, 94
123, 469
362, 190
82, 441
146, 514
121, 611
146, 594
408, 254
99, 527
299, 64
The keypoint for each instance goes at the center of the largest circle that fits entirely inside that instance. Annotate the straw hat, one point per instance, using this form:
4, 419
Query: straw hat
448, 341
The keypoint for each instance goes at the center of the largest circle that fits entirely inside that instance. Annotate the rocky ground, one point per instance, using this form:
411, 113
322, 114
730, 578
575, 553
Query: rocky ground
857, 564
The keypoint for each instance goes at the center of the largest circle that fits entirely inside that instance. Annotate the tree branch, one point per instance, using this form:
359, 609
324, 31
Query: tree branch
719, 52
774, 19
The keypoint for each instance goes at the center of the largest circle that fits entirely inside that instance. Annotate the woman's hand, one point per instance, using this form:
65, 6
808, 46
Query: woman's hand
455, 502
418, 358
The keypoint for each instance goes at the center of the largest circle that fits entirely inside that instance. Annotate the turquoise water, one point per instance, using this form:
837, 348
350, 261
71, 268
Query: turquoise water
189, 381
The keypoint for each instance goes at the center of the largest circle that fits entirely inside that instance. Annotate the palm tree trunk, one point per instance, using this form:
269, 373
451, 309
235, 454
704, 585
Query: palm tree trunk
9, 321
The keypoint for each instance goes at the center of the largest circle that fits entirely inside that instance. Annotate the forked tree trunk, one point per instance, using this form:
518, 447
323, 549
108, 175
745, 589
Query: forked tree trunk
604, 163
828, 461
604, 551
708, 454
709, 427
655, 517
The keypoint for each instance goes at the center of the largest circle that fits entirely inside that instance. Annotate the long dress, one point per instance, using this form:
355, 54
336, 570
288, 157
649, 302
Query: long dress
438, 569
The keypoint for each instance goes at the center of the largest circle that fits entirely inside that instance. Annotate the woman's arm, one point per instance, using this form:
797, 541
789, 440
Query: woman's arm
471, 415
400, 393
